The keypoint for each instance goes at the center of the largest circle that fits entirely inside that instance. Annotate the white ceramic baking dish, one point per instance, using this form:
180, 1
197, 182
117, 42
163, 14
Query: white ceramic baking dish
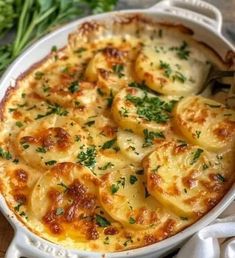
206, 22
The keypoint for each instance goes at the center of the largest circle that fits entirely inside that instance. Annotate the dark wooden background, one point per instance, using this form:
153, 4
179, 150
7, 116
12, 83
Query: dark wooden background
227, 7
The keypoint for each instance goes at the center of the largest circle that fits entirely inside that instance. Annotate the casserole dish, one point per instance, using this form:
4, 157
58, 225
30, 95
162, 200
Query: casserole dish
207, 28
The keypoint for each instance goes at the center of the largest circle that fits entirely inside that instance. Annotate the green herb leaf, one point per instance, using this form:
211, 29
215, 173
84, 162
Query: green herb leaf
73, 87
118, 69
64, 186
108, 144
80, 50
132, 220
106, 166
183, 52
19, 124
220, 178
87, 158
90, 123
102, 221
196, 156
5, 154
50, 162
53, 109
59, 211
133, 179
151, 108
41, 150
166, 67
149, 137
114, 188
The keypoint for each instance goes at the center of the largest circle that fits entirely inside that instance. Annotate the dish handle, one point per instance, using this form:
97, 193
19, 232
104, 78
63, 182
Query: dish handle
22, 246
17, 247
197, 10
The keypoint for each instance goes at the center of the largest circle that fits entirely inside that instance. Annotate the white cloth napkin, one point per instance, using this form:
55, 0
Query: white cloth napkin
214, 241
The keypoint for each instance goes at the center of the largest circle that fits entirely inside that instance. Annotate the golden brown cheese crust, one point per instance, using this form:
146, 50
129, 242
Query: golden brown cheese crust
92, 158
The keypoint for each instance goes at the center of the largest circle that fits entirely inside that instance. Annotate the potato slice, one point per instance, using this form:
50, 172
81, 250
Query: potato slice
136, 110
59, 182
185, 179
110, 68
171, 70
133, 146
205, 122
50, 140
124, 197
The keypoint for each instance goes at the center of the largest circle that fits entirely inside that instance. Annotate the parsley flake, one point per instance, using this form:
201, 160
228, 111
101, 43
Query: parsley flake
101, 221
196, 156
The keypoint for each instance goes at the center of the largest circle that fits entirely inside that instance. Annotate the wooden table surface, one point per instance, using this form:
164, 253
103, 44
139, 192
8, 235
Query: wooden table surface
226, 7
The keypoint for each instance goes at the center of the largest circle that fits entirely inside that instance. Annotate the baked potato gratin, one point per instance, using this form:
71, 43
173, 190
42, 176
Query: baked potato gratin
105, 145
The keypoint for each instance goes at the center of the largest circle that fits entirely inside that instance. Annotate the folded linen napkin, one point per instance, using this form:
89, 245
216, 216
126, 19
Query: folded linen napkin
216, 240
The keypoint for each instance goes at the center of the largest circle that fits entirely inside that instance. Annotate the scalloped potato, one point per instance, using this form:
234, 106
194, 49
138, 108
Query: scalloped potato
205, 122
104, 146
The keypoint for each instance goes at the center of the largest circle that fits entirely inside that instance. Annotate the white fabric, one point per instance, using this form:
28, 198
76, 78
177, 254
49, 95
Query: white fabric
214, 241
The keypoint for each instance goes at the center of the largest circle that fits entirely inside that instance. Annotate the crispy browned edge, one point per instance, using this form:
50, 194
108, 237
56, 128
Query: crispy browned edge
88, 27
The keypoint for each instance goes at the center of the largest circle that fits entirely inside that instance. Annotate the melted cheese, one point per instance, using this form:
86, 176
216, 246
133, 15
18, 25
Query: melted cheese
90, 152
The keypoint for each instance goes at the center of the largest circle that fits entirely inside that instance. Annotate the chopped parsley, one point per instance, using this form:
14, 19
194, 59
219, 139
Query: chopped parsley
45, 88
179, 76
118, 69
133, 179
41, 150
101, 221
197, 134
116, 187
110, 99
182, 143
77, 138
108, 144
141, 86
64, 186
90, 123
38, 75
156, 169
220, 178
19, 124
73, 87
123, 112
25, 146
196, 156
205, 166
213, 106
106, 166
106, 241
59, 211
50, 162
5, 154
166, 67
87, 158
170, 73
128, 241
183, 218
152, 108
53, 109
80, 50
17, 207
150, 136
182, 51
54, 49
132, 220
